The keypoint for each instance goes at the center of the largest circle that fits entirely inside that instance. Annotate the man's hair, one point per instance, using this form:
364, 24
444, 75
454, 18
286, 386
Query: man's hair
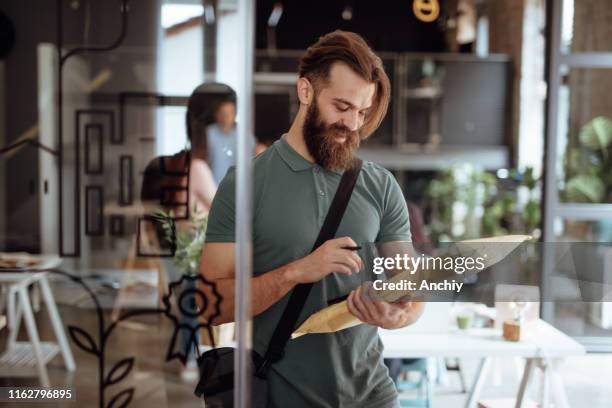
351, 49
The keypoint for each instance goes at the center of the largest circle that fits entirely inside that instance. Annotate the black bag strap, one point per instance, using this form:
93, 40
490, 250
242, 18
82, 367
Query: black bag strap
292, 311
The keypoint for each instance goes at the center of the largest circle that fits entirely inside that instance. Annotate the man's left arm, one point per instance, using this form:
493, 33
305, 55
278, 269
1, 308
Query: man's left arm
363, 302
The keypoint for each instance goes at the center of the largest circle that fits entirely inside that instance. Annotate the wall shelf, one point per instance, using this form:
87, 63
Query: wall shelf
422, 158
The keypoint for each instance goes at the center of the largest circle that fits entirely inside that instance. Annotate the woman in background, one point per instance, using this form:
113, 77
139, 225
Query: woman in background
184, 184
222, 138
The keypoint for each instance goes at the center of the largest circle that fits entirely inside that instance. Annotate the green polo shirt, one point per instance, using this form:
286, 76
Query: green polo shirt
291, 199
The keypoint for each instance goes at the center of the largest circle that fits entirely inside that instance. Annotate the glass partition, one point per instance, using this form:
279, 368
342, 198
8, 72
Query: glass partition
110, 197
577, 183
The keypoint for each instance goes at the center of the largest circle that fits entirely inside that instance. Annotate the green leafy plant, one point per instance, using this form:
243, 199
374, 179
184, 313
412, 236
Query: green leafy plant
589, 166
465, 202
455, 199
187, 239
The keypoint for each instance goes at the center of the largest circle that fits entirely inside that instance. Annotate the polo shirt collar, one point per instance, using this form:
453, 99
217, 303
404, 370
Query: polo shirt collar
293, 159
290, 156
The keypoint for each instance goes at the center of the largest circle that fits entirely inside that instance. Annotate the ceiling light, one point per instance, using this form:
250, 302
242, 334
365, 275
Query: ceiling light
275, 15
209, 13
347, 13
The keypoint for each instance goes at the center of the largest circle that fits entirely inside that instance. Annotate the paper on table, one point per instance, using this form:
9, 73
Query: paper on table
338, 317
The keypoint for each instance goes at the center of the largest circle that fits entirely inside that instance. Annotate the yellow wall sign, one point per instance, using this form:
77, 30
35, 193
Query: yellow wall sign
426, 10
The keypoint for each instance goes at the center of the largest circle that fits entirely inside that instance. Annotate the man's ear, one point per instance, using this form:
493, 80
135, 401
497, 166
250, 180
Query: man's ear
305, 91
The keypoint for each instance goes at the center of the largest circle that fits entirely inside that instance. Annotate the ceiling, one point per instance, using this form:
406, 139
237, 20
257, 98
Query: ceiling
388, 25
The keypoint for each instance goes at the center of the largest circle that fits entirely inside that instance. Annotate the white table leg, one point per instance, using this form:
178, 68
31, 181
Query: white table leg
35, 298
479, 379
497, 371
545, 384
519, 366
524, 381
33, 335
14, 315
10, 307
441, 377
3, 295
56, 321
558, 389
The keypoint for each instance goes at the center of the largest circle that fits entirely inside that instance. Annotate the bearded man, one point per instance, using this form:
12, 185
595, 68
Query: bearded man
344, 93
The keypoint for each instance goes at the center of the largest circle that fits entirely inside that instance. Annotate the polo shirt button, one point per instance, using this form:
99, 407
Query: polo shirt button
316, 169
321, 193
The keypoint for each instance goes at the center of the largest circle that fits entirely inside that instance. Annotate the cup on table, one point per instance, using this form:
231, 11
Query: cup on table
464, 319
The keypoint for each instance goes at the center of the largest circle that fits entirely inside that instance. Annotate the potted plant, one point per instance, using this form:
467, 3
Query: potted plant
589, 166
588, 170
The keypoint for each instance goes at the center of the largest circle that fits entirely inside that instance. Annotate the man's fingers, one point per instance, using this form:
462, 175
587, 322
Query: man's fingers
353, 257
377, 308
342, 268
375, 302
342, 244
357, 259
357, 310
350, 262
361, 306
352, 308
402, 303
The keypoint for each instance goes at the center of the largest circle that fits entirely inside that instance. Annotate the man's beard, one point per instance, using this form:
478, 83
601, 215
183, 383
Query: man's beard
322, 144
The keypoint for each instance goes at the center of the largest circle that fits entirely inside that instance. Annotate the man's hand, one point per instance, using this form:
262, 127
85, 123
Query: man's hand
217, 265
365, 305
328, 258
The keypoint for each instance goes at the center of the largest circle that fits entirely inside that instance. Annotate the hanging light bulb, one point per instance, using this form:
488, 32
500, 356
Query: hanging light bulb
347, 13
209, 12
273, 19
275, 15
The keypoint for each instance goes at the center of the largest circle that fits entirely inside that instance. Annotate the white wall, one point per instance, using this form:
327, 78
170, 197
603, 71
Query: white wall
181, 61
229, 51
231, 61
181, 70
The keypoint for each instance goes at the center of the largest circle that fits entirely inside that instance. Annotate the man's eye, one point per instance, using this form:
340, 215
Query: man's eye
342, 109
362, 114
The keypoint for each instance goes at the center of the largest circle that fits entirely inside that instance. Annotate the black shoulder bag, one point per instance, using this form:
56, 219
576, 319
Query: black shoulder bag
216, 366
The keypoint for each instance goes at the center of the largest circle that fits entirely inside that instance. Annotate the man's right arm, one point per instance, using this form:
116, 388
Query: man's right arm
218, 266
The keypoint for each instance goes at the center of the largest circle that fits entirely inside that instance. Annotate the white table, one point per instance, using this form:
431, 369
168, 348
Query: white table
545, 348
22, 358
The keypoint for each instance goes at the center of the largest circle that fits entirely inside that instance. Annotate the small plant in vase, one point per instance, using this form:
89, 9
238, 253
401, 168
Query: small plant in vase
186, 239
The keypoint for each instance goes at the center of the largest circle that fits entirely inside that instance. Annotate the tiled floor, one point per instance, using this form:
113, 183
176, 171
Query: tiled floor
158, 384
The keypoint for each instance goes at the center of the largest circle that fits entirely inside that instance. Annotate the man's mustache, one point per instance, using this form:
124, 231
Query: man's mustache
343, 131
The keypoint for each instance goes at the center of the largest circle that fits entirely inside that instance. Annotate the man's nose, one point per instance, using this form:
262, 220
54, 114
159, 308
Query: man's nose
352, 121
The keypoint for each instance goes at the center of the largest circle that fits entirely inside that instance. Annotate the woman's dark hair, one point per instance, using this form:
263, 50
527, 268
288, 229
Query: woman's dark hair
201, 108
